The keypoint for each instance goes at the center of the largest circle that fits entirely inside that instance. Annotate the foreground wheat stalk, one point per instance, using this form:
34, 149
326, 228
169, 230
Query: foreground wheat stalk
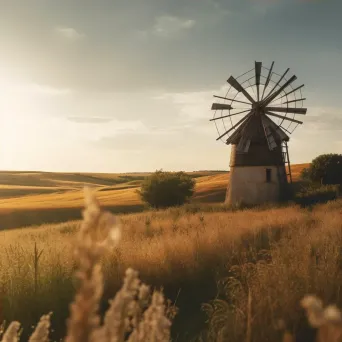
328, 321
131, 316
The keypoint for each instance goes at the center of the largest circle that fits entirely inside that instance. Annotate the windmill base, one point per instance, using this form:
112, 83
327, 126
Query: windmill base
256, 184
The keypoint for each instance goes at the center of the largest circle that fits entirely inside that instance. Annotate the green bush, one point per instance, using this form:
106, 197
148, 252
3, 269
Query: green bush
317, 194
167, 189
324, 169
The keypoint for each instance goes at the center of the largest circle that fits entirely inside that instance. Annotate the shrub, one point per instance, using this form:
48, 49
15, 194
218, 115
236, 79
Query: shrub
313, 194
167, 189
324, 169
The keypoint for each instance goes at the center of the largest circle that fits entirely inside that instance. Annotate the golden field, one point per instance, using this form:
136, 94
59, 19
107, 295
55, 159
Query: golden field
206, 258
28, 198
279, 254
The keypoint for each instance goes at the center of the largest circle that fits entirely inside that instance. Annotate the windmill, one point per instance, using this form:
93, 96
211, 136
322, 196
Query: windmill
256, 116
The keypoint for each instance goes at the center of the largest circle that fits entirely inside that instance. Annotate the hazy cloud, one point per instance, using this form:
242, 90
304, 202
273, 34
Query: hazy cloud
97, 84
83, 119
68, 33
192, 107
168, 26
154, 141
47, 90
328, 118
35, 89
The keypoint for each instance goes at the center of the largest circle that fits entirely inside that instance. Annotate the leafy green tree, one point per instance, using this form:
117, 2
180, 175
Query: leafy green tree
166, 189
325, 169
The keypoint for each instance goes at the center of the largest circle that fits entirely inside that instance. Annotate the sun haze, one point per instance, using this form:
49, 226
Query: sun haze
115, 86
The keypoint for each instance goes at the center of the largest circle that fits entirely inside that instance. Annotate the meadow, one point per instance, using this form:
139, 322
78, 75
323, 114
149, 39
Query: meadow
205, 256
31, 198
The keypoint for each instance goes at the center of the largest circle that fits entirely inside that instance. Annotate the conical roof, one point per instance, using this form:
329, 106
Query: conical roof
255, 129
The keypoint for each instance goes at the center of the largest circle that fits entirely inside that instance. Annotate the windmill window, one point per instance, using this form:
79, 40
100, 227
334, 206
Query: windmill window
268, 175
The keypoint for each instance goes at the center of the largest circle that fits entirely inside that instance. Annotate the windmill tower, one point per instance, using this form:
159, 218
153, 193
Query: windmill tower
255, 117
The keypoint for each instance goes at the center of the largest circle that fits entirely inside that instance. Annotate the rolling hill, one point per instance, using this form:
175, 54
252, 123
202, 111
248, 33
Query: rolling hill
28, 198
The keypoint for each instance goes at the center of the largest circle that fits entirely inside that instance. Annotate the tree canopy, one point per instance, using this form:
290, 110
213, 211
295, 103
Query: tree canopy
325, 169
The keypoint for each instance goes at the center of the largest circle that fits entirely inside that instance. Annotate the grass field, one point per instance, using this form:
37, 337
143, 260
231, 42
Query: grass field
279, 254
205, 256
29, 198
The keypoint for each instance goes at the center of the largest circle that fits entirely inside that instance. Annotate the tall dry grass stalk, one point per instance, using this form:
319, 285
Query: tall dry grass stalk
131, 316
327, 321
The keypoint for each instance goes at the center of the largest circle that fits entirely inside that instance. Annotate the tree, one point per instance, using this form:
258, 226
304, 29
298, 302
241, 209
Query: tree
166, 189
325, 169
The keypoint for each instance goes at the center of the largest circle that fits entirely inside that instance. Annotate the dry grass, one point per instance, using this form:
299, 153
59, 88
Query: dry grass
306, 259
28, 198
117, 194
263, 262
130, 317
279, 254
296, 170
56, 190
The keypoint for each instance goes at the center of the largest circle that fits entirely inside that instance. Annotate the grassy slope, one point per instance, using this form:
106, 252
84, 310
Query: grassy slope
38, 197
298, 252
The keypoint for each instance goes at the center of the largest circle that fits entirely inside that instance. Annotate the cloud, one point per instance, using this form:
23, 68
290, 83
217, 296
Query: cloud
92, 130
174, 118
327, 119
168, 26
35, 89
94, 120
137, 140
47, 90
172, 140
192, 106
69, 33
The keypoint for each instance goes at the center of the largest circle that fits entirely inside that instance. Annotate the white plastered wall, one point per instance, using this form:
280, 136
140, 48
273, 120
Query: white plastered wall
248, 185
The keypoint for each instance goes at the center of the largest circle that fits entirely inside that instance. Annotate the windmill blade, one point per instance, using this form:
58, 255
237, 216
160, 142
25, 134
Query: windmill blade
237, 124
284, 117
226, 98
292, 91
268, 134
257, 77
267, 80
238, 132
296, 100
281, 134
271, 97
238, 87
229, 115
276, 85
218, 106
245, 140
287, 110
243, 145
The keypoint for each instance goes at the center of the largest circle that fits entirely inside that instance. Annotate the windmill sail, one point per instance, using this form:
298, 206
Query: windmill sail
234, 138
277, 129
243, 145
268, 133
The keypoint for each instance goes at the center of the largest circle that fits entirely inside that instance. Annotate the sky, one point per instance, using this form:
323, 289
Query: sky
127, 85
